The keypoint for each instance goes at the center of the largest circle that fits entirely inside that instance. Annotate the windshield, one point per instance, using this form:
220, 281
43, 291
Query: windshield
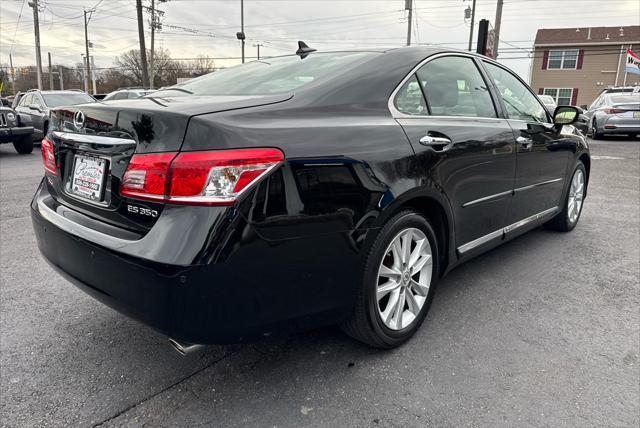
268, 76
57, 100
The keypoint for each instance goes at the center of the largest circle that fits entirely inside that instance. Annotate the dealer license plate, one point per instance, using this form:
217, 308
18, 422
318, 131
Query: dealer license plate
88, 177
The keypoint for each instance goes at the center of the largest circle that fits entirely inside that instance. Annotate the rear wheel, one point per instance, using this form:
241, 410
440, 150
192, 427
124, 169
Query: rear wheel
24, 145
398, 282
594, 131
568, 218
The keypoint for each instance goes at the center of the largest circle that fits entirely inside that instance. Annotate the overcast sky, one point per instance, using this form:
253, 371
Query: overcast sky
208, 27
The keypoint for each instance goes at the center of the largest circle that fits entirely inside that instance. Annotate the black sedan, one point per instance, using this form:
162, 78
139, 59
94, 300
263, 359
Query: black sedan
301, 191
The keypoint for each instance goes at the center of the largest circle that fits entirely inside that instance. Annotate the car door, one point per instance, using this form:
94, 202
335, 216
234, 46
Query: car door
38, 115
542, 154
463, 148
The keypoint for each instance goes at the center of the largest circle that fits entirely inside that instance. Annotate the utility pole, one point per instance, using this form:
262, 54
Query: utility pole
143, 50
242, 26
86, 47
61, 78
258, 46
496, 29
13, 75
473, 18
50, 73
408, 5
155, 25
93, 75
36, 27
153, 33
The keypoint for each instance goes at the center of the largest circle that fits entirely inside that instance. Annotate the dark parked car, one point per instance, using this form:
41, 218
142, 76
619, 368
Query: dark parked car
16, 128
37, 104
300, 191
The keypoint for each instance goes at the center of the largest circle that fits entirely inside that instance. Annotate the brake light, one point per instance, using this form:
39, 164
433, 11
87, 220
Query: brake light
48, 157
146, 176
613, 110
197, 178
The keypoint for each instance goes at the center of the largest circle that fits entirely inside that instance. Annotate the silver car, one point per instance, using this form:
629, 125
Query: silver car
615, 113
37, 105
549, 103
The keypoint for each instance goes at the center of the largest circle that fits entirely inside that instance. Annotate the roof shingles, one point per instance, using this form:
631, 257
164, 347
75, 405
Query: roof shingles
613, 35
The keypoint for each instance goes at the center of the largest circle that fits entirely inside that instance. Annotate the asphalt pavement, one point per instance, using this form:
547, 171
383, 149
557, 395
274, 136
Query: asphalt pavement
544, 330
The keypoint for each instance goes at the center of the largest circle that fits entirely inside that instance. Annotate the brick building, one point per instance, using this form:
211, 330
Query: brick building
574, 65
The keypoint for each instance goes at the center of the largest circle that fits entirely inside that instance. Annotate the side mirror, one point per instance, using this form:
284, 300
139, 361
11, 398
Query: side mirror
565, 115
34, 107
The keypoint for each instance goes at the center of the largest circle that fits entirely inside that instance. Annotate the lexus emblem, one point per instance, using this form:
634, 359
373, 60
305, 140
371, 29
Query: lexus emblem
78, 120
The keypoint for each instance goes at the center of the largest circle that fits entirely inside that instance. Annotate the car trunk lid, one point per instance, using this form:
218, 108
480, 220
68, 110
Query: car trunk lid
93, 145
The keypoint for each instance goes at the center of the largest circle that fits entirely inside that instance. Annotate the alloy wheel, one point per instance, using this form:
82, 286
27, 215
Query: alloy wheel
576, 195
404, 278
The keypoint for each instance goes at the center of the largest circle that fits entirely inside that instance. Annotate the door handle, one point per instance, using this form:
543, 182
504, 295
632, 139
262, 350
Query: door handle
524, 142
436, 143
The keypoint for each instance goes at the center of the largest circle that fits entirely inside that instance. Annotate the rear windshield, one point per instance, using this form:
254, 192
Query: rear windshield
57, 100
625, 99
269, 76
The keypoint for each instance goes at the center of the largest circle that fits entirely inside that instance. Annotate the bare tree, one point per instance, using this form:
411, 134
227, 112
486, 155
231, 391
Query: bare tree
165, 69
202, 65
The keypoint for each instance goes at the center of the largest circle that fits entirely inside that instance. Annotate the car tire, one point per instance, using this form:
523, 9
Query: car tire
374, 320
567, 219
24, 145
594, 131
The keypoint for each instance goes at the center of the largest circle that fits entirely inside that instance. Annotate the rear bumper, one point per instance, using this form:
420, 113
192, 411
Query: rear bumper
618, 125
260, 288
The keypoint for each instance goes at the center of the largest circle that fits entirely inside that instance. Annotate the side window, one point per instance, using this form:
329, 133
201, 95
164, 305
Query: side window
120, 96
454, 86
519, 100
37, 100
26, 100
409, 99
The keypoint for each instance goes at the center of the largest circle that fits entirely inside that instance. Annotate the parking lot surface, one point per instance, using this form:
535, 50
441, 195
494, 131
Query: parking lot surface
544, 330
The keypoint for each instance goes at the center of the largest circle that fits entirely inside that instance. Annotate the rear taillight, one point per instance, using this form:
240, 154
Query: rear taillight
197, 178
613, 110
48, 157
147, 176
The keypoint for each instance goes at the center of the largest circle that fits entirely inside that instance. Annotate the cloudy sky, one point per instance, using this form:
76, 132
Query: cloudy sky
208, 27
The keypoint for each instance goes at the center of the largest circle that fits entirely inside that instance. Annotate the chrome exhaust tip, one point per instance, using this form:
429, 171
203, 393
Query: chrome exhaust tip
185, 348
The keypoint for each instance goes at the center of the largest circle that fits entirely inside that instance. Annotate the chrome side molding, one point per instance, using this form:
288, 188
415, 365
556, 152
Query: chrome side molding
509, 192
500, 233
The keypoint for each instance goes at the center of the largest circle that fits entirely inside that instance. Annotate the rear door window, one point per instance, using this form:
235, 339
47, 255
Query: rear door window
409, 99
454, 86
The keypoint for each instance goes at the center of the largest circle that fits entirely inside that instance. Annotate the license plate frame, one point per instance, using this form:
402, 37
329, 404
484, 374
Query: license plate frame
88, 183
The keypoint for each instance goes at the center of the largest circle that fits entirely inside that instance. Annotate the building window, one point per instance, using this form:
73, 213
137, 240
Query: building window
563, 60
562, 96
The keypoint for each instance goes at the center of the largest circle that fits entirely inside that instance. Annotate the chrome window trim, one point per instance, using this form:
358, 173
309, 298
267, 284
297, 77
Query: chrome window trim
93, 139
396, 114
503, 231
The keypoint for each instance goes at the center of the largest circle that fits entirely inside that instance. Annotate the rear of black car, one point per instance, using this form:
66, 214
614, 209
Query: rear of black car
159, 232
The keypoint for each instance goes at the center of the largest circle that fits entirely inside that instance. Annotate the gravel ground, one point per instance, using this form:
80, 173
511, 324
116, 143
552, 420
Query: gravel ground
544, 330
